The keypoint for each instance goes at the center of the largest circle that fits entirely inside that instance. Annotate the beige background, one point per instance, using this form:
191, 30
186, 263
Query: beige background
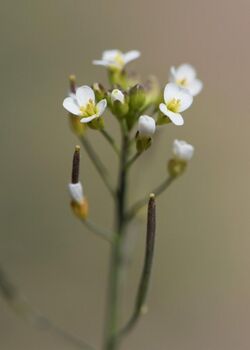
200, 292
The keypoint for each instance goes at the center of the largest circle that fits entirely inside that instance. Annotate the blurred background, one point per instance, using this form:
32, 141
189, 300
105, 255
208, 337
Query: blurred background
200, 290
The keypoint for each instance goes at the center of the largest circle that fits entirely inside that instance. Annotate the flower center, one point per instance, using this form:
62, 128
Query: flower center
182, 82
119, 59
89, 109
174, 105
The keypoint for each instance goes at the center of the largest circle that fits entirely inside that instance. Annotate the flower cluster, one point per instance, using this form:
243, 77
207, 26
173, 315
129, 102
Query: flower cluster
124, 98
139, 106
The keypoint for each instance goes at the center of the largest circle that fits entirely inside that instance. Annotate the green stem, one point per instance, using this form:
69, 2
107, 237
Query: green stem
142, 202
110, 140
133, 159
105, 234
98, 164
116, 263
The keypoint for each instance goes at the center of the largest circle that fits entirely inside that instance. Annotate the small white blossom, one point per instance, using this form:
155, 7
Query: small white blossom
182, 150
176, 100
146, 126
76, 192
117, 95
117, 59
83, 104
185, 77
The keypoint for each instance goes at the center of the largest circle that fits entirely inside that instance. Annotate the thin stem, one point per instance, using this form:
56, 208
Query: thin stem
21, 307
98, 164
133, 159
146, 272
105, 234
142, 202
116, 263
110, 140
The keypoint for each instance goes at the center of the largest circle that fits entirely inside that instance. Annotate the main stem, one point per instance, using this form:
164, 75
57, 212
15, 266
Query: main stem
116, 262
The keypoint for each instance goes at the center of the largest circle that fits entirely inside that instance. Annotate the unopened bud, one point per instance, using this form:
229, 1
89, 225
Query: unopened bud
72, 84
99, 91
137, 97
146, 129
146, 126
119, 103
117, 95
183, 152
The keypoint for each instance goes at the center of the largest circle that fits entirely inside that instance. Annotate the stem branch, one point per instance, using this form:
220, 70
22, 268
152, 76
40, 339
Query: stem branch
110, 140
142, 202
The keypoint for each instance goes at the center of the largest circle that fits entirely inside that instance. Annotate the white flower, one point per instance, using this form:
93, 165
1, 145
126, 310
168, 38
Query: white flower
117, 59
146, 126
176, 100
182, 150
117, 95
185, 77
76, 192
83, 104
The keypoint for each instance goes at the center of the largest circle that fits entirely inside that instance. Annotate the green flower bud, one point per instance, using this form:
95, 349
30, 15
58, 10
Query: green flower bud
119, 103
99, 91
137, 97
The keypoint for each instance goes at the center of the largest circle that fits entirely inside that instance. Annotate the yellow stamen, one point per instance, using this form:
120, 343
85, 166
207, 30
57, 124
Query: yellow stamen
174, 105
89, 109
182, 82
119, 60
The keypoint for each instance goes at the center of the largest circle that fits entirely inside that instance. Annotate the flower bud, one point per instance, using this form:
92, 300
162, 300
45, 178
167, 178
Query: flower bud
117, 95
146, 126
137, 97
153, 91
99, 91
183, 152
119, 104
146, 129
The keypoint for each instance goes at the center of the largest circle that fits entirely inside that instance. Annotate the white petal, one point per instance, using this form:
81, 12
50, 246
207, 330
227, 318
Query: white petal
186, 99
101, 63
76, 192
185, 71
175, 118
195, 87
171, 91
110, 55
88, 119
84, 94
70, 105
131, 55
101, 105
146, 126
